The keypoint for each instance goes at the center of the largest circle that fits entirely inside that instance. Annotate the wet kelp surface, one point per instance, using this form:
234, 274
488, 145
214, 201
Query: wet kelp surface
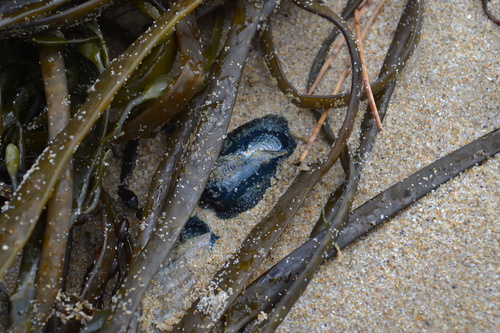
70, 107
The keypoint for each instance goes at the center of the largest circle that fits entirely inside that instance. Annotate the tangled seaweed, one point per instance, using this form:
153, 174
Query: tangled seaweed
67, 105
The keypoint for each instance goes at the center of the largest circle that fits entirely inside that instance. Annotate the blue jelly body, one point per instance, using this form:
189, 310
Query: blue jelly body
249, 159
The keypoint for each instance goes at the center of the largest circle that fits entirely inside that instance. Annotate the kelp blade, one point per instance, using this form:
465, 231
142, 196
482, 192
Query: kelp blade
215, 105
20, 216
267, 290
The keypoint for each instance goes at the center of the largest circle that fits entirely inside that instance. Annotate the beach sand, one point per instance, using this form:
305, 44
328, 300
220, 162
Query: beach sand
435, 266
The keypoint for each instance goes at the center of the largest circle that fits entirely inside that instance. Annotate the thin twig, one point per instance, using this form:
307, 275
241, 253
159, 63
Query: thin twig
322, 119
336, 49
366, 79
339, 43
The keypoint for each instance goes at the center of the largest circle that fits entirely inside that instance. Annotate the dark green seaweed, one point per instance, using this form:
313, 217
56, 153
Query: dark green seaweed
21, 300
59, 206
177, 95
215, 108
35, 190
184, 80
51, 16
327, 42
338, 206
363, 219
161, 186
230, 280
330, 101
489, 13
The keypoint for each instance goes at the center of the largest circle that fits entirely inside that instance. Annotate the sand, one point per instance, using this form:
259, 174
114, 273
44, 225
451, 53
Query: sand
435, 266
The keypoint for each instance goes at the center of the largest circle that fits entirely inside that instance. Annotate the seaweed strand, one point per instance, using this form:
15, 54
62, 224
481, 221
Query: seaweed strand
34, 191
363, 219
59, 206
52, 18
215, 109
21, 300
181, 90
322, 54
230, 280
489, 13
330, 101
162, 183
260, 298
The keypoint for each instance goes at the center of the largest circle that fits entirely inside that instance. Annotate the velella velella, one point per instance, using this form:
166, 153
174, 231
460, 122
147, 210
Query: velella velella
248, 160
196, 227
178, 274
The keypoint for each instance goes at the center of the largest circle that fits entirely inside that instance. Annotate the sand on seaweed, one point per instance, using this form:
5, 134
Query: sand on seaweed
435, 266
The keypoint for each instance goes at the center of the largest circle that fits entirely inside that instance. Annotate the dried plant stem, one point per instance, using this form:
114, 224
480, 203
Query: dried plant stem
322, 119
336, 49
366, 79
59, 206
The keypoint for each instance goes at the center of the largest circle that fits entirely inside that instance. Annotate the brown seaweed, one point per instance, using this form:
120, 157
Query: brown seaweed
266, 291
215, 107
230, 280
36, 189
186, 79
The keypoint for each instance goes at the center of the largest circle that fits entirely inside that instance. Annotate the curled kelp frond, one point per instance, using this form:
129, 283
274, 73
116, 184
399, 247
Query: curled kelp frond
24, 18
268, 289
489, 13
181, 74
215, 105
231, 280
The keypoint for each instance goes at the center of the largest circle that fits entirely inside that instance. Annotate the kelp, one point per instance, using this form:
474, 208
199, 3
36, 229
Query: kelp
230, 280
184, 81
21, 300
159, 189
327, 42
35, 190
265, 291
335, 215
49, 14
176, 96
215, 107
59, 206
327, 101
488, 13
129, 159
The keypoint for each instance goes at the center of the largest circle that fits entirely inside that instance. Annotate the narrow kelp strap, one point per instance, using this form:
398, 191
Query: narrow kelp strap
214, 106
21, 214
266, 291
231, 279
334, 101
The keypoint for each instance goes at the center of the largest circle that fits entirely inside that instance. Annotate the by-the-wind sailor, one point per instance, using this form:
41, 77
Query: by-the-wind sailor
168, 293
249, 158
